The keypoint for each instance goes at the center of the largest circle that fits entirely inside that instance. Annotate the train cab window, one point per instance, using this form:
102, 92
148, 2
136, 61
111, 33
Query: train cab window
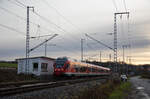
35, 66
89, 69
59, 64
44, 67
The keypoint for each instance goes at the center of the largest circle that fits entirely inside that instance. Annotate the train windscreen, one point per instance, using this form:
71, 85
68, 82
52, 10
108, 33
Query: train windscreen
60, 62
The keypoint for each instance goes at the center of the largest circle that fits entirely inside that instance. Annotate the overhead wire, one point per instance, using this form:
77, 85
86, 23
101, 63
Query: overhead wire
22, 18
21, 3
13, 29
15, 3
46, 20
50, 22
42, 17
12, 13
47, 3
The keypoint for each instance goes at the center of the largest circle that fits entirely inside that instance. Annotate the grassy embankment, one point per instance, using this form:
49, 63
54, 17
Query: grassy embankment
10, 75
5, 64
109, 90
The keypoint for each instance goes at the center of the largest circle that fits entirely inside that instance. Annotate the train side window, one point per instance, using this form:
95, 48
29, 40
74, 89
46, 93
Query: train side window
82, 69
94, 70
89, 69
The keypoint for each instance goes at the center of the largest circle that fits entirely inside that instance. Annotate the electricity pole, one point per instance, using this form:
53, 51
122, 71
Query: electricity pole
45, 48
28, 40
115, 37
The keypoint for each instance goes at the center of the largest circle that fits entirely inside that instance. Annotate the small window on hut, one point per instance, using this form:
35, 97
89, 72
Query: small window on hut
35, 66
44, 67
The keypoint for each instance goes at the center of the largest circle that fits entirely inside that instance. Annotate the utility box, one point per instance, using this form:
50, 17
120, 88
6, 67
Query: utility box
37, 66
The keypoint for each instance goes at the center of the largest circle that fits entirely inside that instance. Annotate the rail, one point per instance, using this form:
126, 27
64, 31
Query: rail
38, 86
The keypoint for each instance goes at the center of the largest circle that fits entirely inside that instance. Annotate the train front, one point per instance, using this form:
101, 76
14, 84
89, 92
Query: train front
60, 66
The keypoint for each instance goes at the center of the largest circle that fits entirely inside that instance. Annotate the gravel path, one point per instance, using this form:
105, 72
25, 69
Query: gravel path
141, 88
64, 92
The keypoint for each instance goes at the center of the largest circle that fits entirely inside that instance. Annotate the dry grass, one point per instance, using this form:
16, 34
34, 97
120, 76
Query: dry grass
99, 91
110, 90
11, 76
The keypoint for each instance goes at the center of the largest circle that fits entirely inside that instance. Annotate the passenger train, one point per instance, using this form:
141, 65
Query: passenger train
66, 67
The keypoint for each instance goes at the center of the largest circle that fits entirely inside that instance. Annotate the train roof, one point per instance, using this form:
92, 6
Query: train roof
86, 64
97, 66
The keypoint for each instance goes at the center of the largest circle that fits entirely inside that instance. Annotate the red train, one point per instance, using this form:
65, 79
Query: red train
66, 67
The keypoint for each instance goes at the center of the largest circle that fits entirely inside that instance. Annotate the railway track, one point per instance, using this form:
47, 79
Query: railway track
17, 84
38, 86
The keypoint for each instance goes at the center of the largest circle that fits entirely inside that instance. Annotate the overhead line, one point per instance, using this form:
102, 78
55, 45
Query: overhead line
99, 42
43, 18
13, 29
10, 12
47, 20
21, 3
45, 1
16, 3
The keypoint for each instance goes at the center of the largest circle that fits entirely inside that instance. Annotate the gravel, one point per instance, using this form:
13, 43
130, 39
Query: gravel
63, 92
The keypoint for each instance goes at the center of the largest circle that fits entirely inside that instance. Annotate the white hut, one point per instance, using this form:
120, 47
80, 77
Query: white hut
37, 66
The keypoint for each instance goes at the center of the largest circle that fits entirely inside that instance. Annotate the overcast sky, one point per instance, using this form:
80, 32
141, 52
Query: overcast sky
71, 19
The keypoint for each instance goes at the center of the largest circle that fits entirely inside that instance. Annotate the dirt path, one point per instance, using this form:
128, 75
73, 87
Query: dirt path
141, 88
